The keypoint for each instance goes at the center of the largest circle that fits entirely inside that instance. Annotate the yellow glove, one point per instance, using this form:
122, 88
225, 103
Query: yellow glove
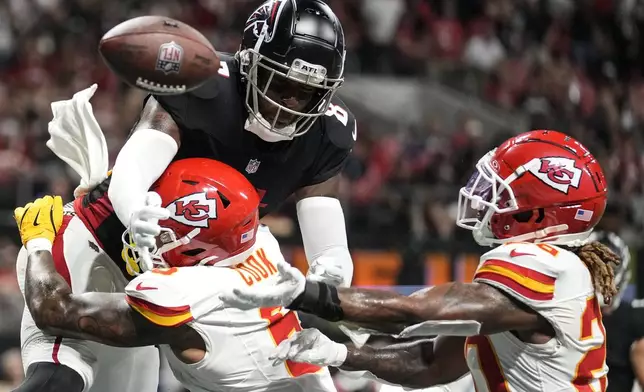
39, 219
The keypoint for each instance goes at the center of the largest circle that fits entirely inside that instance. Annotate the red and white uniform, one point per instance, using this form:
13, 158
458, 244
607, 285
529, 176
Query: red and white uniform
557, 284
81, 260
238, 342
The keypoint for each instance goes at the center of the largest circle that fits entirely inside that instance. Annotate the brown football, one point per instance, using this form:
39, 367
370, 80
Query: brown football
160, 55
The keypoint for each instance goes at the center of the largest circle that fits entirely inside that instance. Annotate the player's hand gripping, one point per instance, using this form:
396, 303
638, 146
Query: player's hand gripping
310, 346
289, 286
39, 219
144, 227
325, 272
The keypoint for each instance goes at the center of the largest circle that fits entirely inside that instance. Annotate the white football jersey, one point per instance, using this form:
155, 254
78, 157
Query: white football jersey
238, 342
558, 285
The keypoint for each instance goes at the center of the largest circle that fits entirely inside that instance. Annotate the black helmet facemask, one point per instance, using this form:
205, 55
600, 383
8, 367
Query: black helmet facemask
285, 94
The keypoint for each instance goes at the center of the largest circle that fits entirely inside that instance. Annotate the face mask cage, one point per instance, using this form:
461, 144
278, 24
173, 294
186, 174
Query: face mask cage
482, 196
136, 264
261, 72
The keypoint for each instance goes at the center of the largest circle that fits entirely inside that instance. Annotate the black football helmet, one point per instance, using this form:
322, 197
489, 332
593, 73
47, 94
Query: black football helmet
292, 62
622, 271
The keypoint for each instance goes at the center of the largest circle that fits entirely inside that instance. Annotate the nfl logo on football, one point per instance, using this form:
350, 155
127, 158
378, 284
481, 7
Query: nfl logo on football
169, 58
252, 166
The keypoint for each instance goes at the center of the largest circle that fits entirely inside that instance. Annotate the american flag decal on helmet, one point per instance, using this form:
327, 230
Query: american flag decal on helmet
584, 215
247, 236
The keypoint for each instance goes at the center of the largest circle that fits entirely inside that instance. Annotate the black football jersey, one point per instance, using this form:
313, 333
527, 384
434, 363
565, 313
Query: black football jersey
211, 121
624, 326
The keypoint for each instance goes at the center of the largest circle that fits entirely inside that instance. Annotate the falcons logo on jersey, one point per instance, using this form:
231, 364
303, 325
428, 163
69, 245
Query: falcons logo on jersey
194, 210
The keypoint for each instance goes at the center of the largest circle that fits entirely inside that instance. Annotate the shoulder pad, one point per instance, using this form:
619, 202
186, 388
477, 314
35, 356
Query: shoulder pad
340, 125
538, 256
528, 270
157, 296
228, 72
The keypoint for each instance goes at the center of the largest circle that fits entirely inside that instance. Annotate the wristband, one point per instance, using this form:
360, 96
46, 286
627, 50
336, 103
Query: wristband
38, 244
320, 299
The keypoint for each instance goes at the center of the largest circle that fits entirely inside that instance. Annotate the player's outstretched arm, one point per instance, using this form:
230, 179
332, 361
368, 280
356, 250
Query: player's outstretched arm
319, 212
101, 317
480, 302
417, 364
152, 145
323, 228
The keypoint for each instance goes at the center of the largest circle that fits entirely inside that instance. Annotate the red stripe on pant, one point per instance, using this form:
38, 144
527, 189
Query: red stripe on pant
58, 251
58, 254
54, 353
489, 363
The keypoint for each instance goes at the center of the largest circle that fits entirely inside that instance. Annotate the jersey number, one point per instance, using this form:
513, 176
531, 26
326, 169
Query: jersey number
488, 363
547, 248
339, 113
224, 70
280, 327
593, 361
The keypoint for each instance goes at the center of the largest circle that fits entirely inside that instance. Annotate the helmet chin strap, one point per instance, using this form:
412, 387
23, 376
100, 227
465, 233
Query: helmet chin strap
484, 236
157, 256
262, 128
540, 234
229, 260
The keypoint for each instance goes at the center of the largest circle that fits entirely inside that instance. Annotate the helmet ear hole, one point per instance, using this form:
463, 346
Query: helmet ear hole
526, 216
523, 216
193, 252
224, 200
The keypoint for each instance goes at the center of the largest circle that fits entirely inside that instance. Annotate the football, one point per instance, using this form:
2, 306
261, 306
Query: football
158, 54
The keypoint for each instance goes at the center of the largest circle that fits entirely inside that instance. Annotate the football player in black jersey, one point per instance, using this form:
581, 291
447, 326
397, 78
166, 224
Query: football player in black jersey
273, 115
624, 324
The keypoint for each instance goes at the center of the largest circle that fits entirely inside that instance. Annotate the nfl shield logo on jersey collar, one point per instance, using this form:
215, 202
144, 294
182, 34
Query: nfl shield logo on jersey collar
252, 166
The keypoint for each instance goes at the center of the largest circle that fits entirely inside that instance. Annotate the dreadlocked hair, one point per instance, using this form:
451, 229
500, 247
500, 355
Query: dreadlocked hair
600, 260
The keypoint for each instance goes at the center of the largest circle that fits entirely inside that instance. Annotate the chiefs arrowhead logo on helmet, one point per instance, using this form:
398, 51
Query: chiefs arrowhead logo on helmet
193, 210
556, 172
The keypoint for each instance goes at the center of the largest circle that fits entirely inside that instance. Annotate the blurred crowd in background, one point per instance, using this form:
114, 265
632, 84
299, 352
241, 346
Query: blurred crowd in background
575, 66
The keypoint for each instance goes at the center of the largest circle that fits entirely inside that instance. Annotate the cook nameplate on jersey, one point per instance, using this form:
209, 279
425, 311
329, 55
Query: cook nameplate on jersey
211, 121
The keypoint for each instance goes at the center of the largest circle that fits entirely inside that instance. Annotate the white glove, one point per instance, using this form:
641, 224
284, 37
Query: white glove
326, 273
289, 286
310, 346
144, 226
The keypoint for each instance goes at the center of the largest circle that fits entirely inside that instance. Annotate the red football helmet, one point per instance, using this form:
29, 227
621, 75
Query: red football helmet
541, 186
213, 213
